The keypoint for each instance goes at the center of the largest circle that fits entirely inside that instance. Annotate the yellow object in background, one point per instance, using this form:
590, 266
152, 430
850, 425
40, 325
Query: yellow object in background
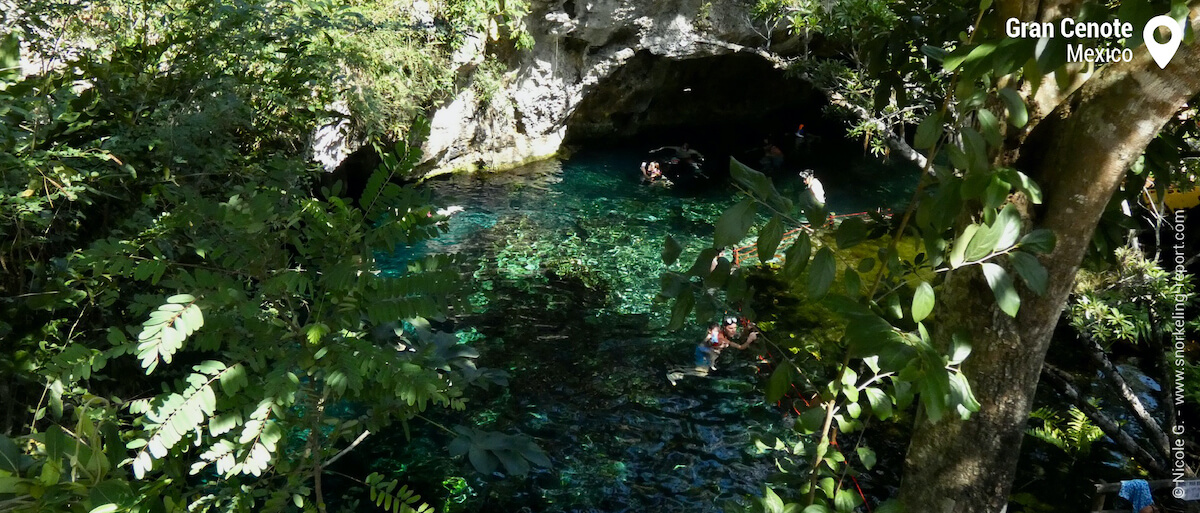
1176, 200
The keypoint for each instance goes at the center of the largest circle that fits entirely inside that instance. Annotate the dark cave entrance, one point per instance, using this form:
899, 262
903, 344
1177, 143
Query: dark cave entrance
724, 104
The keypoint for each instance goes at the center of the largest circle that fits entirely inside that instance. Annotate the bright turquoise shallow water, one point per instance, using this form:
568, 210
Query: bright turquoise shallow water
565, 265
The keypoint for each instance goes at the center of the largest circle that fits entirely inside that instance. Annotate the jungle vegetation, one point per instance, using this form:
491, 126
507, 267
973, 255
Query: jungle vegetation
1026, 159
188, 308
192, 319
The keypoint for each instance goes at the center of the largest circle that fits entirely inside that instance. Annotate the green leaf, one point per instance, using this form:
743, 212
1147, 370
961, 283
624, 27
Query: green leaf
960, 348
960, 392
996, 192
107, 508
852, 282
990, 126
922, 303
768, 239
1002, 288
778, 385
10, 455
731, 228
867, 456
1030, 270
881, 404
1008, 225
181, 299
817, 508
929, 131
1017, 113
821, 275
1038, 241
959, 251
796, 258
771, 502
812, 419
683, 306
671, 250
704, 262
845, 501
759, 185
851, 232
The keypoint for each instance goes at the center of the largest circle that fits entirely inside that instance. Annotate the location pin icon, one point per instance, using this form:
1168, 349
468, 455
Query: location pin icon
1162, 52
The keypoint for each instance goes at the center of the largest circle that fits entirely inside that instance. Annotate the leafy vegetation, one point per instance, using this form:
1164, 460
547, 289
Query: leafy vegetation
187, 312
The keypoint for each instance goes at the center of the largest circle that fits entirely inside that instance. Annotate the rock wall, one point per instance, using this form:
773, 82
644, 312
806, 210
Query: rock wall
579, 46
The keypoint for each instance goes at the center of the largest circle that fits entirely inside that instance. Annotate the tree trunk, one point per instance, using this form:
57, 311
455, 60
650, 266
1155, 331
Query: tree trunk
1079, 154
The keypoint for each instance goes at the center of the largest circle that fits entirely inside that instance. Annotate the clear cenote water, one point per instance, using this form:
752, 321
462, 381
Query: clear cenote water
565, 264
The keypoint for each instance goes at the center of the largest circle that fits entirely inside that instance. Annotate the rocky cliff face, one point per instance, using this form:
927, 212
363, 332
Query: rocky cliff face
595, 69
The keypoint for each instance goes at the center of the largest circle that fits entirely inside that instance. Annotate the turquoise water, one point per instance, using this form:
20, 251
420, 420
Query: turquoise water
565, 265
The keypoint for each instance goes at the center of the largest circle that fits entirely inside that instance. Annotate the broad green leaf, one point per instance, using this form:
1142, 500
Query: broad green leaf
10, 455
671, 284
771, 502
1038, 241
759, 185
881, 404
1008, 225
817, 508
987, 240
922, 301
989, 125
928, 132
866, 456
683, 306
960, 392
671, 250
778, 385
975, 149
959, 251
181, 299
768, 239
732, 226
107, 508
719, 274
736, 286
851, 232
852, 282
960, 348
854, 410
845, 501
813, 419
796, 258
1017, 113
1002, 287
996, 192
822, 273
704, 263
1030, 270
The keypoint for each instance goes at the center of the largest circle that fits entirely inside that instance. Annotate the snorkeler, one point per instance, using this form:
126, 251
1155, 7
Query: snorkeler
651, 171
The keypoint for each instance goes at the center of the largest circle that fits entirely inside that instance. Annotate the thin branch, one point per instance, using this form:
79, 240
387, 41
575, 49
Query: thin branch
1065, 384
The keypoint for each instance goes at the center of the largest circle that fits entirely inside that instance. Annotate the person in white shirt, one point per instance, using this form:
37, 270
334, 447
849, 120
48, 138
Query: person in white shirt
814, 186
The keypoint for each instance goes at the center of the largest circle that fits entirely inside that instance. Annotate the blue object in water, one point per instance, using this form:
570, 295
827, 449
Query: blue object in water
1137, 491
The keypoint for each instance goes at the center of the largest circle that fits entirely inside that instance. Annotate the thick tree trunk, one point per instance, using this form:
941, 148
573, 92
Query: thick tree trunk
1079, 155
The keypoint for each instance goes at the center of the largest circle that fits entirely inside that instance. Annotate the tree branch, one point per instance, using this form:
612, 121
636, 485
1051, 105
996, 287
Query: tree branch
1065, 385
1161, 442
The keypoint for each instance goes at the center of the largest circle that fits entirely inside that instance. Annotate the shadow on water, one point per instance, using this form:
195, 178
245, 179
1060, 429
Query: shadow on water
565, 265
